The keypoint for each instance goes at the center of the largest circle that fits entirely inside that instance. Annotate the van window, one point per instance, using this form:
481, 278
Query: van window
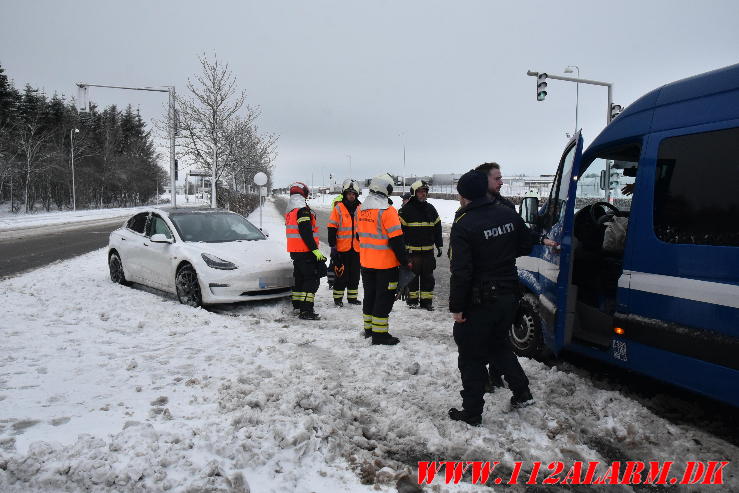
558, 194
138, 223
695, 195
591, 184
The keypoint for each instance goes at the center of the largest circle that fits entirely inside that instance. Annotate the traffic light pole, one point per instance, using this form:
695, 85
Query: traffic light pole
609, 115
172, 127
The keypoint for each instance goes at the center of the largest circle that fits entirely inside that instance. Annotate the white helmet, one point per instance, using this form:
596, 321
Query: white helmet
382, 184
350, 185
418, 185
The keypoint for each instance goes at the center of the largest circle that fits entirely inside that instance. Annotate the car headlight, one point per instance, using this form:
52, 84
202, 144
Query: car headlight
217, 263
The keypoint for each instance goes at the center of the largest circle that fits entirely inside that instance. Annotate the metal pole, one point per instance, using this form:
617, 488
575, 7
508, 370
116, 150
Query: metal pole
172, 180
71, 143
608, 162
213, 203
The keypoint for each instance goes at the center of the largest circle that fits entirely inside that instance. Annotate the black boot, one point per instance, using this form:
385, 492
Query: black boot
523, 399
338, 302
384, 339
309, 316
354, 301
471, 419
367, 333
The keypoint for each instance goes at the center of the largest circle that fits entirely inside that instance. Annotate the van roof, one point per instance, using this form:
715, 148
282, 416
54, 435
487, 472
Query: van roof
704, 98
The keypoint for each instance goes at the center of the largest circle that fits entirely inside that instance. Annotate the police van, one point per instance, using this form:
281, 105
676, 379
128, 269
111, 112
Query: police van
648, 280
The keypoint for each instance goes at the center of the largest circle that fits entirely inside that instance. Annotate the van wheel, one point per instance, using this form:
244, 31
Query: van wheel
525, 334
188, 287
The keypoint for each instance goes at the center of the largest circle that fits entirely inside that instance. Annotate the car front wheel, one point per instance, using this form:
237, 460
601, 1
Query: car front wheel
116, 269
188, 287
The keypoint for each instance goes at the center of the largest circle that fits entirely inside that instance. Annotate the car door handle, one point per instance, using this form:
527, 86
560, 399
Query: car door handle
146, 244
123, 239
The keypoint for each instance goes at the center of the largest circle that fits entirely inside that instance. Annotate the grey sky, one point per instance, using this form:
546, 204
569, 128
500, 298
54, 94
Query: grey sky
346, 77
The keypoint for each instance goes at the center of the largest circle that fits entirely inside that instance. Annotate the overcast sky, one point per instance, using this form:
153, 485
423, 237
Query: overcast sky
338, 78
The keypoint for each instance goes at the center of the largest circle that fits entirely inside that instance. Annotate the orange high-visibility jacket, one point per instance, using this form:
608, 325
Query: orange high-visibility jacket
375, 227
294, 242
342, 220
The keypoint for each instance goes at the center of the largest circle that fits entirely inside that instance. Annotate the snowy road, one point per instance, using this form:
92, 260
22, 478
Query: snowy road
108, 388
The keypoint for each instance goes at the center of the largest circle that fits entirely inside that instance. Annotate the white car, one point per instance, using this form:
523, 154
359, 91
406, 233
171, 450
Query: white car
204, 256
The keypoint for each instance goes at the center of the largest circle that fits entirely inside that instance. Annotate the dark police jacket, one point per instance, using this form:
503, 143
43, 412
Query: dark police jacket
421, 226
485, 240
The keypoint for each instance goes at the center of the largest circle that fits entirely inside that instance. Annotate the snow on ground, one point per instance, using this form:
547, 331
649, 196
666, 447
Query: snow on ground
108, 388
10, 221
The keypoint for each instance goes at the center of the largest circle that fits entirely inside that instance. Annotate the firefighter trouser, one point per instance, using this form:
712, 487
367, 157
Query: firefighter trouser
380, 286
306, 276
421, 288
482, 338
349, 278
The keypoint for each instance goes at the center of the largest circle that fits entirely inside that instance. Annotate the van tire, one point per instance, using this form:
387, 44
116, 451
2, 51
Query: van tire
526, 332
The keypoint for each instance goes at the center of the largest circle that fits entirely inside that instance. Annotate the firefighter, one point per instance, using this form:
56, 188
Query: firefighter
421, 232
345, 245
302, 243
485, 240
381, 251
331, 274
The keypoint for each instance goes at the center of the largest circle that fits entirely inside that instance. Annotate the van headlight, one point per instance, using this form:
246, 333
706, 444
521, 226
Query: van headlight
217, 263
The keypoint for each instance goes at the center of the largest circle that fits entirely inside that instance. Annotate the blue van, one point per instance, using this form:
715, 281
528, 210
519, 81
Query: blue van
648, 280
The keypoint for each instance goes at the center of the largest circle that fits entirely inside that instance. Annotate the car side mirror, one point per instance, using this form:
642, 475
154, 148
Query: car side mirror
160, 238
529, 209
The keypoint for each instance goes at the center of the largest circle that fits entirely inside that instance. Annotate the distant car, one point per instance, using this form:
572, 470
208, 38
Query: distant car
204, 256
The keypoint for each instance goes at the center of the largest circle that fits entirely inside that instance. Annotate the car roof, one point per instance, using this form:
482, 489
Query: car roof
704, 98
168, 211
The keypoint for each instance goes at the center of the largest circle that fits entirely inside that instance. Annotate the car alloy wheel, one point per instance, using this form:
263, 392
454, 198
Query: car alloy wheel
188, 287
116, 269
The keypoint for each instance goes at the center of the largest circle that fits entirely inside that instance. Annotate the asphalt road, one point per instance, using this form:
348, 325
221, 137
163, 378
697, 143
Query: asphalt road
26, 249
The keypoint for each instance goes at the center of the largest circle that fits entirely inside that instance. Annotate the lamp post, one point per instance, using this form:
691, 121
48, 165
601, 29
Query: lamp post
350, 164
402, 136
73, 131
568, 70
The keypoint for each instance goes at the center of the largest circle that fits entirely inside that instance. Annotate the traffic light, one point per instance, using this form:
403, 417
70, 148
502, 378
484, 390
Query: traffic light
615, 178
541, 86
616, 109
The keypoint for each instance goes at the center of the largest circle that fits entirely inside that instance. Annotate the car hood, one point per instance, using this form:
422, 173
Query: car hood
243, 253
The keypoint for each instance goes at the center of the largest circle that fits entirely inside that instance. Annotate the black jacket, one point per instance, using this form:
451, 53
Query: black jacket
421, 226
485, 240
305, 228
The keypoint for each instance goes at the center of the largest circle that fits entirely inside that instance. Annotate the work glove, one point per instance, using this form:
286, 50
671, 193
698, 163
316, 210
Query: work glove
438, 251
402, 294
335, 257
319, 256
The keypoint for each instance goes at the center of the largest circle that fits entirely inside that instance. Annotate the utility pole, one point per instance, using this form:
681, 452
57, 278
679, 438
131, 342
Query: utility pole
350, 164
172, 117
541, 76
73, 131
402, 136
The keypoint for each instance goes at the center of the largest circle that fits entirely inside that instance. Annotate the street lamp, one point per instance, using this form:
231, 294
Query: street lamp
73, 131
568, 70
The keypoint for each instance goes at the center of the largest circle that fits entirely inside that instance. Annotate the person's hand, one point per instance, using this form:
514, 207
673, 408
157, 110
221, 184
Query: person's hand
438, 251
549, 243
335, 258
628, 189
319, 255
402, 294
459, 317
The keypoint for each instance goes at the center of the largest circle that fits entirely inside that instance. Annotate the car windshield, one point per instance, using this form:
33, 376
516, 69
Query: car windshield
215, 227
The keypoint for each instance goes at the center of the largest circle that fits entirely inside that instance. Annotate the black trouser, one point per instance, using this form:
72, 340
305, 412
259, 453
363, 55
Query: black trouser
349, 278
422, 286
380, 286
482, 338
306, 275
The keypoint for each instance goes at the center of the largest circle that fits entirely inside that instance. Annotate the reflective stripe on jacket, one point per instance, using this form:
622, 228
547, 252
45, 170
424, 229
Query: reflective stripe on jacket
374, 228
342, 220
294, 242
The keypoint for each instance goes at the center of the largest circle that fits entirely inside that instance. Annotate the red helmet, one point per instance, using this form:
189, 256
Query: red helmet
300, 188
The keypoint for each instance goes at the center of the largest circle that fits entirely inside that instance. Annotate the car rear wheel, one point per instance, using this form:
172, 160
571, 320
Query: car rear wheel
116, 269
188, 287
526, 332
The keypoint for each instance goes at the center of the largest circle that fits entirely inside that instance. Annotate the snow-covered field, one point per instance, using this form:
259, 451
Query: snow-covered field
106, 388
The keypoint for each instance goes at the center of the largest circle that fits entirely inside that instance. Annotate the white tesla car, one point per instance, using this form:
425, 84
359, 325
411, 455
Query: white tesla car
203, 256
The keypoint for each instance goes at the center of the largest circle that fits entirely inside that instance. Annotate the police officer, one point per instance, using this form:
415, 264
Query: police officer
381, 251
485, 240
421, 232
302, 243
345, 245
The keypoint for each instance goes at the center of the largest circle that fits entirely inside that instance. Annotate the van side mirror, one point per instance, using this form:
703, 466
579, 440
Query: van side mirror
529, 210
